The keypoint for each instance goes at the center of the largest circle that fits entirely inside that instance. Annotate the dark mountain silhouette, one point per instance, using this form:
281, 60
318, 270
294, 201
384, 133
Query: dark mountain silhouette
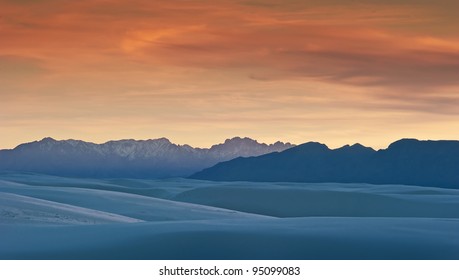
407, 161
156, 158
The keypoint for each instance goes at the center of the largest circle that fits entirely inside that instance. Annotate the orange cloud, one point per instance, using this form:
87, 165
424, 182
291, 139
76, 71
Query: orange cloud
333, 42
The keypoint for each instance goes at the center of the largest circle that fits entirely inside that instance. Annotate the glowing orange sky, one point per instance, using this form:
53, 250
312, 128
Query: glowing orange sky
198, 72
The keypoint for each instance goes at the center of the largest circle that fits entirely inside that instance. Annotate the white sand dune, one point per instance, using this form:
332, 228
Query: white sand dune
329, 200
46, 217
154, 188
297, 238
125, 204
18, 209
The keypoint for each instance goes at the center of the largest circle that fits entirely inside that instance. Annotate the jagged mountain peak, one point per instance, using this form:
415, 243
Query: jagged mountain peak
134, 141
239, 140
355, 148
48, 139
312, 147
405, 142
245, 147
247, 141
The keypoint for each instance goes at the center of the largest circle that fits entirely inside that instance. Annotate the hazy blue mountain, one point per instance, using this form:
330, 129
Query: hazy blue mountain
156, 158
407, 161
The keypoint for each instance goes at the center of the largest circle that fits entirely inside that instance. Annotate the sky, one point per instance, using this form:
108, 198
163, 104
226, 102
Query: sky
198, 72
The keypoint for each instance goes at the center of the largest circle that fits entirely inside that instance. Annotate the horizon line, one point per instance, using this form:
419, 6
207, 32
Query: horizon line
222, 142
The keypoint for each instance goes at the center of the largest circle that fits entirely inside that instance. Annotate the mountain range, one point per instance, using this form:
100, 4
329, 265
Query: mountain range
156, 158
407, 161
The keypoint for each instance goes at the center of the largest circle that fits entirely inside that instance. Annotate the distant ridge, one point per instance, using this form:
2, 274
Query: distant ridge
154, 158
407, 161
